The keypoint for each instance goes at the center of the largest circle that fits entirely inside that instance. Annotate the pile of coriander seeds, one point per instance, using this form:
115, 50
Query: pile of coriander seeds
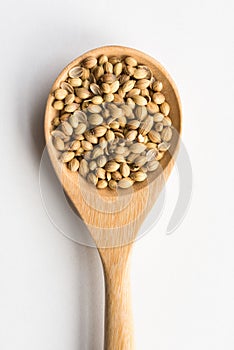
113, 124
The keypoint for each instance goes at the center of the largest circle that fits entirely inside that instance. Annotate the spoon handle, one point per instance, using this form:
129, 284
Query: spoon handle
118, 310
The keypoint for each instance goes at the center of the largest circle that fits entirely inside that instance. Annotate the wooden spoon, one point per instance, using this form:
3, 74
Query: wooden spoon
113, 219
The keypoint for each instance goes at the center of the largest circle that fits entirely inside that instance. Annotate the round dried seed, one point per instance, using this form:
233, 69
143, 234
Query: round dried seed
73, 165
125, 182
158, 98
166, 134
101, 184
60, 94
67, 156
58, 105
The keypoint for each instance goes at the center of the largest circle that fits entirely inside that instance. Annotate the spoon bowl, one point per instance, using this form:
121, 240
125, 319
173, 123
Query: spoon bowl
113, 218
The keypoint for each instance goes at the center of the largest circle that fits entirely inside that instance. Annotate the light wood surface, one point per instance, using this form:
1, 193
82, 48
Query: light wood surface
114, 219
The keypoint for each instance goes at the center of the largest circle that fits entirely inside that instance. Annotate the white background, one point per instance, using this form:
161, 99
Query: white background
51, 292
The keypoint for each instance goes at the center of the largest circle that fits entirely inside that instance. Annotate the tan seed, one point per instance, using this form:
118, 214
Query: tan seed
92, 165
73, 165
164, 146
110, 136
158, 98
106, 88
138, 176
102, 59
86, 84
80, 129
133, 92
137, 148
58, 133
125, 182
83, 93
94, 108
56, 121
116, 175
167, 121
69, 98
89, 135
73, 120
152, 107
118, 67
113, 184
84, 168
72, 107
92, 178
139, 100
89, 62
108, 176
124, 170
95, 119
101, 161
100, 131
86, 145
76, 72
97, 100
127, 110
153, 165
158, 117
119, 158
58, 143
74, 145
159, 127
123, 78
114, 87
112, 166
166, 134
157, 86
128, 85
108, 97
131, 135
146, 126
131, 61
140, 73
160, 155
96, 90
142, 84
114, 59
133, 124
67, 156
60, 94
114, 125
97, 152
109, 78
103, 142
131, 157
98, 72
75, 82
140, 161
151, 154
140, 138
102, 184
64, 116
154, 136
58, 105
108, 67
79, 152
100, 173
141, 112
66, 128
165, 108
66, 86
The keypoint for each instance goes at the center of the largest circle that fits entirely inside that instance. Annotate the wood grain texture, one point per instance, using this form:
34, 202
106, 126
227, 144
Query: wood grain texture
118, 312
114, 218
